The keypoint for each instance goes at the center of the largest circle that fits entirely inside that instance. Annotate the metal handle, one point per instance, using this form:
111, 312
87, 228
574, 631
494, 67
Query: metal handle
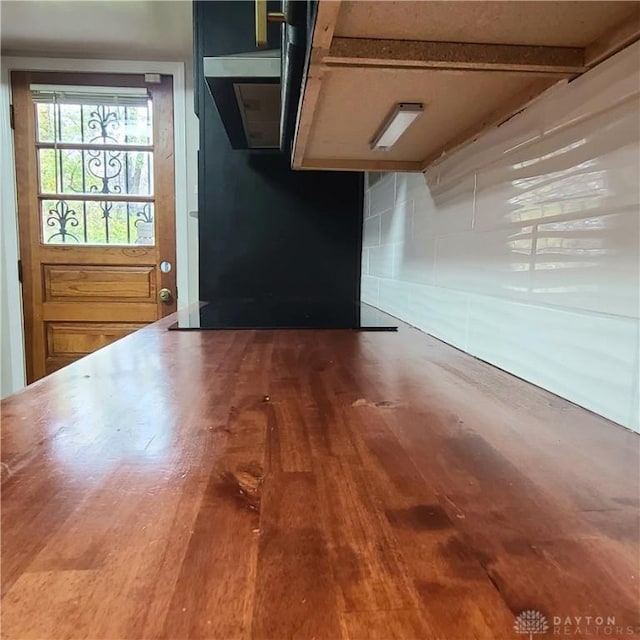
165, 295
262, 17
261, 23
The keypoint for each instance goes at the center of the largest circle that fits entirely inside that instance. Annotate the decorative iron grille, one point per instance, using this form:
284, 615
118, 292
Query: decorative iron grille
95, 166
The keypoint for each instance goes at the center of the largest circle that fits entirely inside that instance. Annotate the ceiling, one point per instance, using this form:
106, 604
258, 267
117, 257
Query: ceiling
118, 29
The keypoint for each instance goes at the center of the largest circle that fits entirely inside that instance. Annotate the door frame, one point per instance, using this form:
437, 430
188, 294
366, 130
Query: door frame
8, 203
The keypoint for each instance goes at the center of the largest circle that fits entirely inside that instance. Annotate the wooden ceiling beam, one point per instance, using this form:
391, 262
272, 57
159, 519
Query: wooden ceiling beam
417, 54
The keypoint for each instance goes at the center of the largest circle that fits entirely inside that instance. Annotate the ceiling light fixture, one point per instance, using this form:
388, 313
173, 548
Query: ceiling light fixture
396, 124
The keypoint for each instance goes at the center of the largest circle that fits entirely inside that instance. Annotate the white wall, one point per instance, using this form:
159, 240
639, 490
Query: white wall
12, 370
192, 142
11, 335
522, 248
126, 29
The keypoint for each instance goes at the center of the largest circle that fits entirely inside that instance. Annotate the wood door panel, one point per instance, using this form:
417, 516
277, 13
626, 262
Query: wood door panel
100, 312
77, 339
53, 364
79, 283
80, 295
58, 254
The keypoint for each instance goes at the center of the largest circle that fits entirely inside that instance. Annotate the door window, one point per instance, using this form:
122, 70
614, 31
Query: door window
95, 165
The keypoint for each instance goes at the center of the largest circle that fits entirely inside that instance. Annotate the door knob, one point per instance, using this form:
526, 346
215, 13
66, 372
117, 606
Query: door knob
165, 295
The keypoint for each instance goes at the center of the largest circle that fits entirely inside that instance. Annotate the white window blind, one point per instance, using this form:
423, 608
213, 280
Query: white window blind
62, 94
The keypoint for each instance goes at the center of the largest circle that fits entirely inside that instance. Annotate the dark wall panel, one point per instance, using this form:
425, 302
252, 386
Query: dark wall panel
268, 234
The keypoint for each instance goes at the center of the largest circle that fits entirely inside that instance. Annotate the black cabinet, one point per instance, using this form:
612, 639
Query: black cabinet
270, 237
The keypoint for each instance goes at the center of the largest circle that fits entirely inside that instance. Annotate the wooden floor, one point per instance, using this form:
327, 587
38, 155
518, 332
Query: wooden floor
309, 485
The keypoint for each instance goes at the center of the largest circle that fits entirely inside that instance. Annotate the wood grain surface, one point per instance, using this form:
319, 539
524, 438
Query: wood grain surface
311, 485
81, 283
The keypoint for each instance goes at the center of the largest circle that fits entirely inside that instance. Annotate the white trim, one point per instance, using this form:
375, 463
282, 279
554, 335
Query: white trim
7, 174
12, 372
